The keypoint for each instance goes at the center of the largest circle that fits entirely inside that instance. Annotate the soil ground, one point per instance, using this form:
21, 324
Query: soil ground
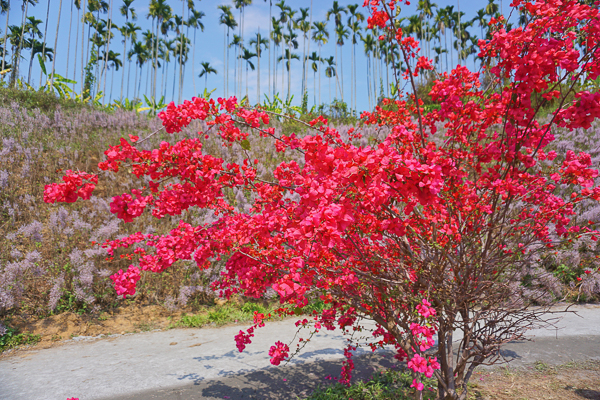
572, 381
131, 319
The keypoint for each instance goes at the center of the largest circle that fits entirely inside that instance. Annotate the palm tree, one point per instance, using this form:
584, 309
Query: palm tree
240, 5
159, 11
14, 37
116, 63
195, 21
206, 69
140, 52
277, 37
330, 72
336, 11
288, 56
481, 21
4, 9
426, 11
291, 41
369, 45
15, 72
342, 33
269, 38
321, 37
33, 30
238, 46
314, 57
182, 46
228, 21
354, 23
304, 26
128, 31
38, 48
491, 9
247, 55
259, 43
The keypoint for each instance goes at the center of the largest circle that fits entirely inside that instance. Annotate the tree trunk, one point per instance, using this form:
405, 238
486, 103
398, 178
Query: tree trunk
82, 52
14, 75
181, 51
5, 42
44, 40
56, 43
320, 75
69, 40
107, 48
224, 62
269, 61
194, 61
258, 53
76, 48
123, 73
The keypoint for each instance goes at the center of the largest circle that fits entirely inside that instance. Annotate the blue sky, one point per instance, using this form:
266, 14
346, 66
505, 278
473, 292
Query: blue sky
209, 47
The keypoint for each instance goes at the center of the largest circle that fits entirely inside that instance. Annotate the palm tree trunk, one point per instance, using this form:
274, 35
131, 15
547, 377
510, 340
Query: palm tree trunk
56, 43
181, 50
112, 80
123, 73
156, 58
173, 94
194, 61
303, 65
107, 49
269, 61
44, 40
29, 69
258, 74
140, 82
76, 48
320, 75
69, 40
224, 62
315, 87
162, 78
5, 42
342, 70
148, 74
14, 76
82, 52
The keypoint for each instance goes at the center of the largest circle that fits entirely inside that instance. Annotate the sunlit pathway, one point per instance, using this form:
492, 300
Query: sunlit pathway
204, 363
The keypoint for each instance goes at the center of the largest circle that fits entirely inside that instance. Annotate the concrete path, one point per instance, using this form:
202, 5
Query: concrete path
205, 364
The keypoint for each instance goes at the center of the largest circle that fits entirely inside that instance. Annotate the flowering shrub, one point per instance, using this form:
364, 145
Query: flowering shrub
422, 235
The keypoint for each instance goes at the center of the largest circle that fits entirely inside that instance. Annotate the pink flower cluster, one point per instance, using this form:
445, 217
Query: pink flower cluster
279, 352
72, 188
125, 282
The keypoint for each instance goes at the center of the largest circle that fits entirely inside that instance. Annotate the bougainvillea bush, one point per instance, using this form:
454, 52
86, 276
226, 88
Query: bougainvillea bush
423, 235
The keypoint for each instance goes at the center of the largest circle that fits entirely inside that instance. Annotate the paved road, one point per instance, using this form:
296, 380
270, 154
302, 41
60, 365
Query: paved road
205, 364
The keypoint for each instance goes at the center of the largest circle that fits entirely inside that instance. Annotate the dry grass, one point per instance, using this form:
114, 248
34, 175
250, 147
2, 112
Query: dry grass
573, 381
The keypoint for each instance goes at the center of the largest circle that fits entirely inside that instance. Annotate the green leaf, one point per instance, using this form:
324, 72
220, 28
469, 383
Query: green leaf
245, 144
42, 64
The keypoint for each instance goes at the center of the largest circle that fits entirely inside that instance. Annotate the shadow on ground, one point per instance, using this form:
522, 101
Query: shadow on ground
289, 382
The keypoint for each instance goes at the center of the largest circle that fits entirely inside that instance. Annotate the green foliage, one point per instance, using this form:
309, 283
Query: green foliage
193, 321
152, 106
567, 274
69, 303
128, 105
12, 338
89, 79
44, 101
384, 385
